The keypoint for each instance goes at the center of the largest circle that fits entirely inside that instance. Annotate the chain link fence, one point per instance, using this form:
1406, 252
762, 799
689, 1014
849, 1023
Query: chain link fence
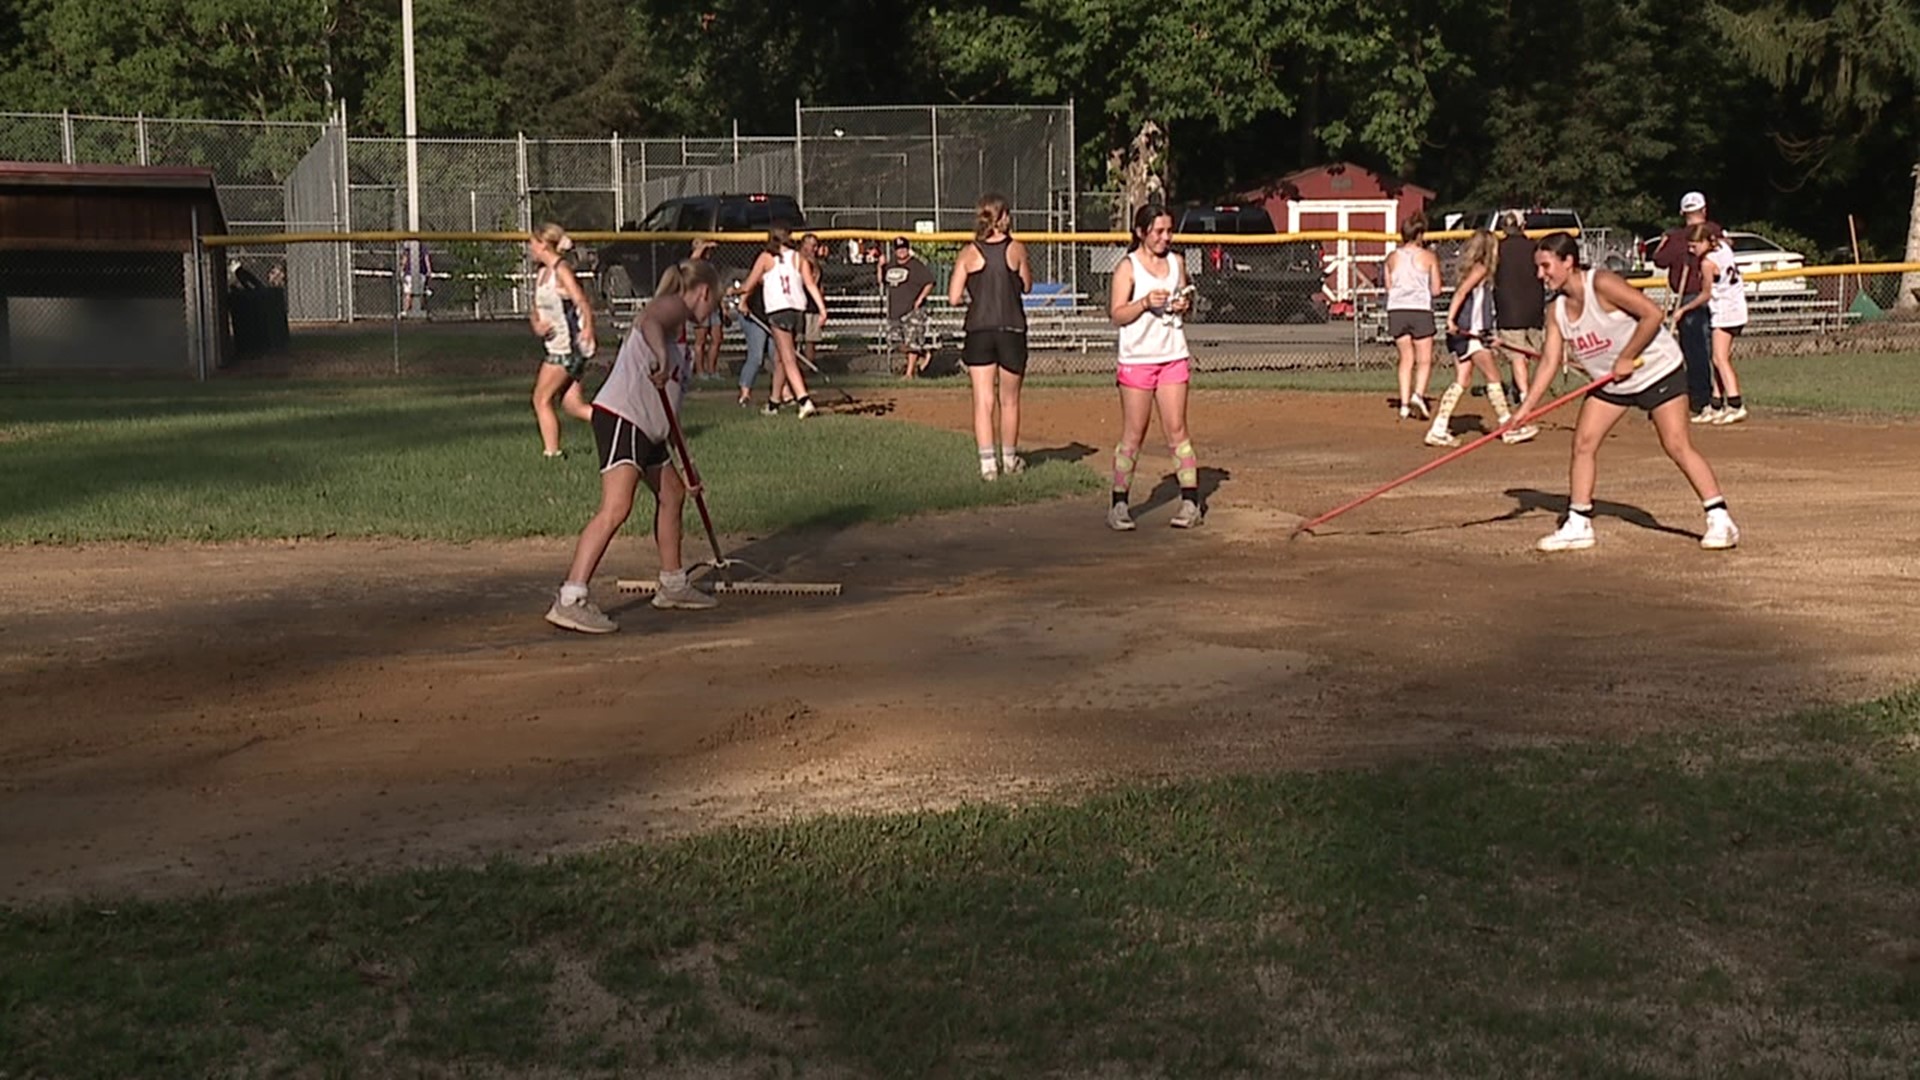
69, 311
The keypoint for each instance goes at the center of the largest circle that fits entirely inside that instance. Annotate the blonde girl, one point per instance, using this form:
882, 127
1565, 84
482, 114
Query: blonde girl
631, 432
1469, 329
562, 319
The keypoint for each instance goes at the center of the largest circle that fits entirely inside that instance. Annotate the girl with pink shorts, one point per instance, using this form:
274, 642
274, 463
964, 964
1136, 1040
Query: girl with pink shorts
1149, 295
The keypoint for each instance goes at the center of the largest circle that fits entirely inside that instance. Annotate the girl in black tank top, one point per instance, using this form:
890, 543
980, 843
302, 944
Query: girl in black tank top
990, 277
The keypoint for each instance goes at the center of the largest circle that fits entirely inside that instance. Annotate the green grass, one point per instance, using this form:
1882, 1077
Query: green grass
1717, 904
446, 460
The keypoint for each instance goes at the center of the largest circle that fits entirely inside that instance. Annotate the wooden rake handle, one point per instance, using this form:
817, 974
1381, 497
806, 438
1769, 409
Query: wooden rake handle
693, 474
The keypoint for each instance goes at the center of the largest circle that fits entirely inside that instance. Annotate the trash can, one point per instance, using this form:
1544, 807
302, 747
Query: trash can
259, 313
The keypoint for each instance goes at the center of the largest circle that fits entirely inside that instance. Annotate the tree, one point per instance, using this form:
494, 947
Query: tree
1858, 61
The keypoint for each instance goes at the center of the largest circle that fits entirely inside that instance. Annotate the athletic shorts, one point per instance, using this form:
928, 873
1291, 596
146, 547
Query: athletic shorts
1670, 386
1417, 325
1006, 349
1730, 331
1526, 341
1150, 376
575, 364
792, 321
909, 331
619, 442
1463, 347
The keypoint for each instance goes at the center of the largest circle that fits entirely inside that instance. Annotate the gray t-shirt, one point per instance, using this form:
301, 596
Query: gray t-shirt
904, 280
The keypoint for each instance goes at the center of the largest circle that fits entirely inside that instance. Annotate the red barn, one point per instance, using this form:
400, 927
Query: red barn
1342, 196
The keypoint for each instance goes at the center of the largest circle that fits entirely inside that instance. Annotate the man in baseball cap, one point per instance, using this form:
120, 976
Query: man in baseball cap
1683, 280
907, 281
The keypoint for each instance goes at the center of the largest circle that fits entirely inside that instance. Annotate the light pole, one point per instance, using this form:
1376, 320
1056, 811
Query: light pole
413, 119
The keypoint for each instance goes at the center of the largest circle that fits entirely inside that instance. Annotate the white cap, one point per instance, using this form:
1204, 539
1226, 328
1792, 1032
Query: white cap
1692, 201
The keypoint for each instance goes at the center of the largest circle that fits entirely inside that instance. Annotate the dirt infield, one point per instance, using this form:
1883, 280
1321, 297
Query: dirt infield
179, 718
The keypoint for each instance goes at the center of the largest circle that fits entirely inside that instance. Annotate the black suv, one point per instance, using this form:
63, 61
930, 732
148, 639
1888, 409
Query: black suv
645, 260
1251, 283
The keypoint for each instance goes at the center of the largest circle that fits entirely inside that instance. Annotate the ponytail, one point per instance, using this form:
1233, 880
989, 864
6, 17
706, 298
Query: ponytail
990, 214
779, 237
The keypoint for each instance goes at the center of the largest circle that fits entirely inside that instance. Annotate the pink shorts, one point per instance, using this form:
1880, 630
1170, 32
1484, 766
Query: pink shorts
1149, 376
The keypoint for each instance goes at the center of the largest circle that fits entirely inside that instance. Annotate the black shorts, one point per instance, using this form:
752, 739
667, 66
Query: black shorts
1671, 385
620, 442
1730, 331
987, 348
1415, 324
793, 322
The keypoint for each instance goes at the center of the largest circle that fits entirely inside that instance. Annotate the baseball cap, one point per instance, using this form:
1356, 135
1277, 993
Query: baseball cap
1692, 201
900, 242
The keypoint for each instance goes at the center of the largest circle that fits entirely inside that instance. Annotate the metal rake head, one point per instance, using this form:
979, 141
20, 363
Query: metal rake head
717, 576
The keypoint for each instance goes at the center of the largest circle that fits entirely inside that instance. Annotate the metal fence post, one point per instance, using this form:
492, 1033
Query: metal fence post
619, 187
140, 136
346, 208
799, 159
66, 137
520, 178
933, 123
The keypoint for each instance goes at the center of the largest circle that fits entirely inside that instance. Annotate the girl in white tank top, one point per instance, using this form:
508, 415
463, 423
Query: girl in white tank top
1727, 304
557, 302
1413, 276
1611, 315
1148, 296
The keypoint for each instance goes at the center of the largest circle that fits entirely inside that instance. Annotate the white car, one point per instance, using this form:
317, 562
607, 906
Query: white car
1751, 253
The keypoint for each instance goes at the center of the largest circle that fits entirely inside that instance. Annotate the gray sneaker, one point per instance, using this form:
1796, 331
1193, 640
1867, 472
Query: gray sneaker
582, 616
682, 598
1189, 516
1118, 519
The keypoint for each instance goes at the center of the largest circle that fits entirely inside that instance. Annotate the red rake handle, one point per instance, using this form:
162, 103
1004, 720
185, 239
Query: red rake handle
693, 474
1454, 455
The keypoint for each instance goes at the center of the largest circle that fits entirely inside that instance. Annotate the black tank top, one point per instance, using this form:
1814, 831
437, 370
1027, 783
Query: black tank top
993, 294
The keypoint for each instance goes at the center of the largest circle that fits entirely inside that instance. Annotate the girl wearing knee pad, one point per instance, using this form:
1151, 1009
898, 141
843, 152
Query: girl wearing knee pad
631, 431
1469, 328
1149, 295
1608, 325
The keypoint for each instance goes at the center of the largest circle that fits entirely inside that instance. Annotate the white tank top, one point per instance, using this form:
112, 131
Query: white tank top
1728, 304
1596, 339
628, 392
551, 302
781, 288
1408, 288
1156, 337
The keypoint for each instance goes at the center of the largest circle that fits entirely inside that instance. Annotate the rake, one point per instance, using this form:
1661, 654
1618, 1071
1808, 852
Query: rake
1309, 526
720, 568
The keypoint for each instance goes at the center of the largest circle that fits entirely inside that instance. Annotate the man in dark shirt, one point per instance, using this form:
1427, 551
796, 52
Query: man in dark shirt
907, 281
1683, 280
1519, 302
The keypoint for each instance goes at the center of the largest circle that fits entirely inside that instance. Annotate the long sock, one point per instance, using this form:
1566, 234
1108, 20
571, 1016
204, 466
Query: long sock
1185, 465
1497, 394
1124, 459
1447, 402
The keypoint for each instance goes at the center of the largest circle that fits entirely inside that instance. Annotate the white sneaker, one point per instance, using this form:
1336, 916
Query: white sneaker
581, 616
1189, 515
1523, 433
1731, 416
1708, 415
1420, 406
807, 409
1437, 437
1722, 533
1576, 534
682, 597
1119, 519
